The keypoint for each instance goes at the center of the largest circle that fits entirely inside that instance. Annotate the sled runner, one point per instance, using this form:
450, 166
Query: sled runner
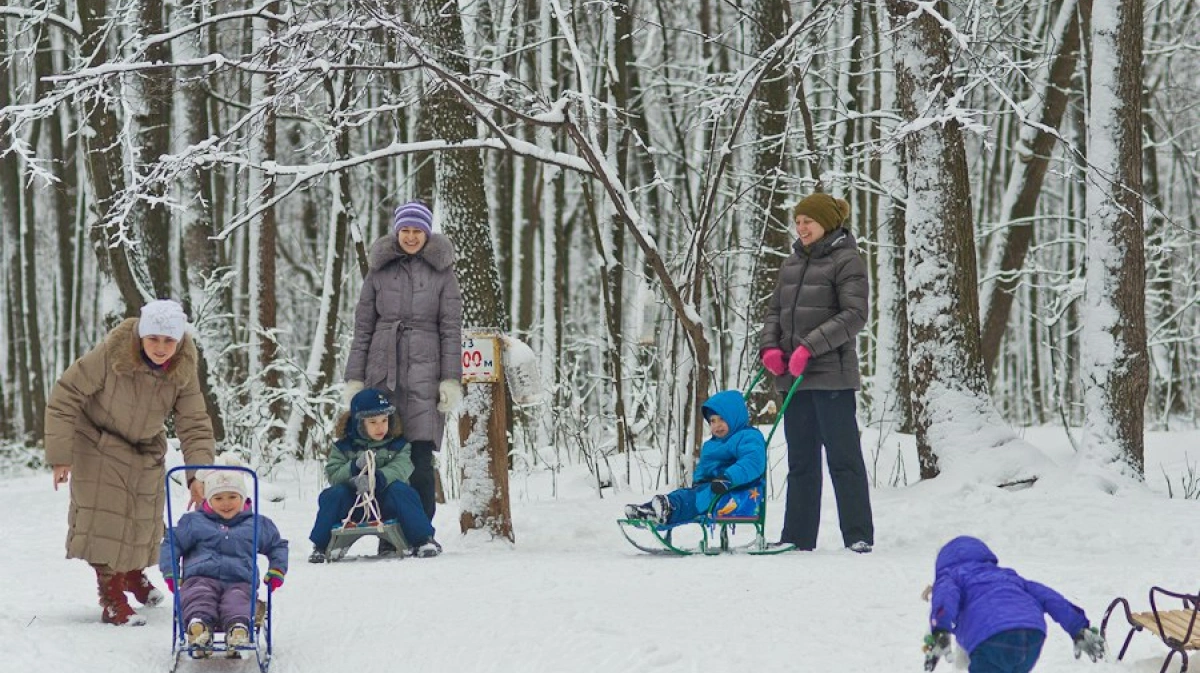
746, 504
365, 520
260, 636
1178, 629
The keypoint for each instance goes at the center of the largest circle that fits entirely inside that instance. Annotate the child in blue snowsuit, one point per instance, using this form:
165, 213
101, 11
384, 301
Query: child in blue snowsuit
997, 615
734, 456
372, 425
216, 543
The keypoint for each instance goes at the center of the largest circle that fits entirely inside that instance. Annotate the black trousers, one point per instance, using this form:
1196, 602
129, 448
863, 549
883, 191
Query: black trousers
423, 479
816, 418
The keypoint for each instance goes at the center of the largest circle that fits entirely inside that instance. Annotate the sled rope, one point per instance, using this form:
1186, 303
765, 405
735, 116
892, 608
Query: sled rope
366, 499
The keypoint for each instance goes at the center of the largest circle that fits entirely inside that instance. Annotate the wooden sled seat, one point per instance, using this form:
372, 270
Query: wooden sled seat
1178, 629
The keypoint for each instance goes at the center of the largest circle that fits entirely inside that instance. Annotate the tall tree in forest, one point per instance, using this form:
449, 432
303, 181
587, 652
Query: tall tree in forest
462, 201
949, 389
153, 105
768, 205
1114, 362
104, 151
264, 226
10, 214
1038, 136
203, 255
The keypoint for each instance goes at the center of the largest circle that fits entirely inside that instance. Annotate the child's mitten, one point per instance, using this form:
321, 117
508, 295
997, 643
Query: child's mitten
170, 581
274, 579
720, 485
361, 483
1089, 641
937, 645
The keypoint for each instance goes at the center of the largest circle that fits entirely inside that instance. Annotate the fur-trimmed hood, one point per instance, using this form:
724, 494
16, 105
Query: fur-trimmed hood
126, 352
438, 252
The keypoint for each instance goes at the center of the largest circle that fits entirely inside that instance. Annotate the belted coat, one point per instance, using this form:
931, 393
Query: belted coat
105, 419
408, 331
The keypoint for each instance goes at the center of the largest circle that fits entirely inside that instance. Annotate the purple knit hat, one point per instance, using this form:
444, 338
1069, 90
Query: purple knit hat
413, 214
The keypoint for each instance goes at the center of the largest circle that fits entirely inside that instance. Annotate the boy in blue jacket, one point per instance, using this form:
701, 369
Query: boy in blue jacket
734, 456
216, 543
372, 427
997, 615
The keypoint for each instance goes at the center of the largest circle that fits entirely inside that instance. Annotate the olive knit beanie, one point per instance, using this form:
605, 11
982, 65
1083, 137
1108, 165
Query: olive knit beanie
826, 210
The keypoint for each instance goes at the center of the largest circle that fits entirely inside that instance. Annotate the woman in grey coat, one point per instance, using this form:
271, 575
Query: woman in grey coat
408, 335
818, 307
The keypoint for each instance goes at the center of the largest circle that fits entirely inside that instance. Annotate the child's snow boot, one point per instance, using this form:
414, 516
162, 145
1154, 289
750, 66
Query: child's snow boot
661, 505
198, 633
386, 549
639, 512
428, 549
115, 608
317, 555
141, 588
237, 634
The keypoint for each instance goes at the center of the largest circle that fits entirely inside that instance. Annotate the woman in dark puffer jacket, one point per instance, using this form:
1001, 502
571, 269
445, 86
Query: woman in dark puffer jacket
818, 308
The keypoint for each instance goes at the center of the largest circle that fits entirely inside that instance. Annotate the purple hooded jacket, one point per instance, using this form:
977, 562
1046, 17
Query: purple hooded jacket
974, 598
223, 550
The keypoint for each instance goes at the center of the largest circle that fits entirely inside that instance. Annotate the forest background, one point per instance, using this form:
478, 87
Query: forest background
617, 178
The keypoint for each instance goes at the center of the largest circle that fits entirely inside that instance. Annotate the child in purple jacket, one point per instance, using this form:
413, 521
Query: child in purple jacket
216, 543
997, 615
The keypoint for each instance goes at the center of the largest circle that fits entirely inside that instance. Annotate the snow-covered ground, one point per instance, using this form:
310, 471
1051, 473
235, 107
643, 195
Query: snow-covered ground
572, 595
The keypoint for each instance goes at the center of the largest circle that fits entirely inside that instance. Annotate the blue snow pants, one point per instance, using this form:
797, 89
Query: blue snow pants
689, 503
398, 501
1014, 651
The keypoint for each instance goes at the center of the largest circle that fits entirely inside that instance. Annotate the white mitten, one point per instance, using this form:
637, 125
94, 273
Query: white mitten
351, 389
449, 395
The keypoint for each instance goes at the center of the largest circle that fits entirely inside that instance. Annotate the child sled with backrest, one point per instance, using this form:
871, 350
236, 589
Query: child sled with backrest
209, 560
368, 468
729, 489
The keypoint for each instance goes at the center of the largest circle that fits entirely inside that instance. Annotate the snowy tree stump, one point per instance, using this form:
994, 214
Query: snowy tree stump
483, 430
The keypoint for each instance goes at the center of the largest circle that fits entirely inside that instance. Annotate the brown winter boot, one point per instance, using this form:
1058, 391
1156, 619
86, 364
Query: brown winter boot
116, 609
141, 588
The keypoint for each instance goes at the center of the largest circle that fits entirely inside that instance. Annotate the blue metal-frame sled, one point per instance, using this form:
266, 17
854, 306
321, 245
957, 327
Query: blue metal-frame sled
260, 635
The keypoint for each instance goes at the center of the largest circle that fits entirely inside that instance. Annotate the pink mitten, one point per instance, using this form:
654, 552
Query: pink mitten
274, 579
798, 361
772, 359
170, 584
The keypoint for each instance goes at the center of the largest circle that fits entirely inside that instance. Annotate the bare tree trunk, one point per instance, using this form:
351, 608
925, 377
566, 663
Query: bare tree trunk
462, 198
62, 166
105, 163
203, 256
14, 212
768, 204
1025, 187
948, 383
1115, 368
152, 122
263, 235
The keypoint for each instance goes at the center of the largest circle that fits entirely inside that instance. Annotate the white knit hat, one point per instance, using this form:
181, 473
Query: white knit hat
223, 481
163, 317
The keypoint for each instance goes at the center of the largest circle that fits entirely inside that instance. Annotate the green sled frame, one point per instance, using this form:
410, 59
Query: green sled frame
716, 530
714, 541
